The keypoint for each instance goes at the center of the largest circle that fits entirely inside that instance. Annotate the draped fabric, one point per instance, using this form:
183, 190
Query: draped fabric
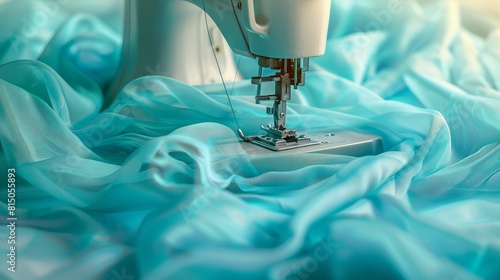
142, 190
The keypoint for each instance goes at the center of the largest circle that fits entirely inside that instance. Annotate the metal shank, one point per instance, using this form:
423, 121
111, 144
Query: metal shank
290, 72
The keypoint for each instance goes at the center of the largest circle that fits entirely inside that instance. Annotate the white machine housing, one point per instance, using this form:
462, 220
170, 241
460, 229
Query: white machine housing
169, 37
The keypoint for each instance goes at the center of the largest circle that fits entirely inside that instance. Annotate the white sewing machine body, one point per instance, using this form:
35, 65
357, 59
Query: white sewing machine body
169, 37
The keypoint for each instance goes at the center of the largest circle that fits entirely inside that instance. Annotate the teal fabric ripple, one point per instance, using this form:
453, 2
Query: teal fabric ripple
142, 189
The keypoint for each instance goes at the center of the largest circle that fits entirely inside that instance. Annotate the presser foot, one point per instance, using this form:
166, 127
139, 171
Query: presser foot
279, 139
280, 144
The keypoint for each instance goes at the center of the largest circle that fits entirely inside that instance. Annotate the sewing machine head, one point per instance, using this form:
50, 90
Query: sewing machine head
281, 34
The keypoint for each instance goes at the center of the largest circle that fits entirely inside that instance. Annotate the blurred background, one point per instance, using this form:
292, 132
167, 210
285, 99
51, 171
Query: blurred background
108, 7
491, 7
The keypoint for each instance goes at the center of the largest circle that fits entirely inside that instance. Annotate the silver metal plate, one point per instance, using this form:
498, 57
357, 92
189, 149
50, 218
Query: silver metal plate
325, 141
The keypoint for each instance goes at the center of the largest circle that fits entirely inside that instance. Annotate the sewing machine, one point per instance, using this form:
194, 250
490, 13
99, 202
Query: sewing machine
169, 37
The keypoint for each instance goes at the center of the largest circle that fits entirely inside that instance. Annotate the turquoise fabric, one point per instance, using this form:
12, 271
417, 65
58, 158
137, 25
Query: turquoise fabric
141, 190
